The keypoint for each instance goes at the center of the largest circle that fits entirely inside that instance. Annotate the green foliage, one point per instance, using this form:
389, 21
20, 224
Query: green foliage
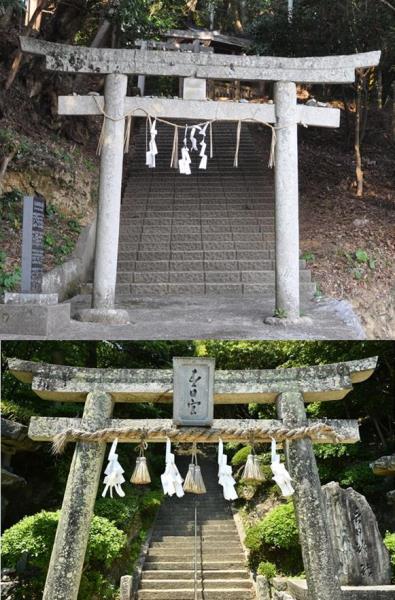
267, 569
119, 511
275, 538
241, 456
360, 477
389, 541
33, 537
16, 412
279, 529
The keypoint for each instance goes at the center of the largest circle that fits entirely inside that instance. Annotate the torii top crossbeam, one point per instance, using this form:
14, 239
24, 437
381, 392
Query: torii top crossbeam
76, 59
319, 383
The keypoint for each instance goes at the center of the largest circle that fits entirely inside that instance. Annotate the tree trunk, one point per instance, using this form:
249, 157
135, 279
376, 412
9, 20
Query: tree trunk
357, 142
16, 63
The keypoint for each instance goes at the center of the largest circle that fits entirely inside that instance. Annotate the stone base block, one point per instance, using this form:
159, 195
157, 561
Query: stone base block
28, 298
33, 319
126, 587
298, 589
285, 322
110, 316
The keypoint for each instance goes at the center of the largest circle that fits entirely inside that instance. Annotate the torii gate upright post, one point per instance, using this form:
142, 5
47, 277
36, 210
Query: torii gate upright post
109, 208
287, 201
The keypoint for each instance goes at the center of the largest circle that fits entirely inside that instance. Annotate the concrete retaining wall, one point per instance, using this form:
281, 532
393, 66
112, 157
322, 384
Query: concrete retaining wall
65, 280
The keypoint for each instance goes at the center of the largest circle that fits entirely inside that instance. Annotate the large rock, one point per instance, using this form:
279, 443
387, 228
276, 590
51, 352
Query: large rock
358, 547
384, 466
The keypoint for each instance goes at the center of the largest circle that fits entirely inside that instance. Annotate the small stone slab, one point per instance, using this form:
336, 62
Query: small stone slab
193, 402
298, 588
108, 316
33, 319
27, 298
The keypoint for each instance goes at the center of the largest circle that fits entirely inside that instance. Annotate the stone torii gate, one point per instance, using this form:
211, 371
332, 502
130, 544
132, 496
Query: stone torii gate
285, 114
99, 389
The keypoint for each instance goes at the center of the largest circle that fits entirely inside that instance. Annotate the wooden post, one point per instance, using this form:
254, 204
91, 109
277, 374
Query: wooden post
287, 200
108, 216
68, 552
318, 559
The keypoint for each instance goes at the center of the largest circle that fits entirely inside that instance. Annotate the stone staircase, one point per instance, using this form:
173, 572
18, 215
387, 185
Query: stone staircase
208, 233
168, 572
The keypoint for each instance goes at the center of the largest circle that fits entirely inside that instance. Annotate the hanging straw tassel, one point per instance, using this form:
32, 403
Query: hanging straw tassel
200, 488
189, 483
140, 475
238, 135
252, 470
128, 127
194, 481
174, 154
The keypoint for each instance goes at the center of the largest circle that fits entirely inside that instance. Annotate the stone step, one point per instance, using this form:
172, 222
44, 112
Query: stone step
176, 584
155, 564
230, 276
128, 246
210, 552
126, 260
189, 594
182, 266
125, 291
170, 238
189, 573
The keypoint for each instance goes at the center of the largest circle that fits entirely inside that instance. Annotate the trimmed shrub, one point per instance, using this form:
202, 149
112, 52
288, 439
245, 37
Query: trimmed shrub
241, 456
267, 569
33, 538
279, 529
120, 511
253, 539
389, 541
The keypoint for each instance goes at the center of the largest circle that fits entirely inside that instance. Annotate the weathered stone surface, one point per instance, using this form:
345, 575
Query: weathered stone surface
198, 109
318, 558
33, 319
287, 202
362, 558
262, 588
68, 552
45, 428
320, 383
193, 396
110, 316
61, 57
384, 466
30, 298
298, 589
126, 587
14, 437
109, 205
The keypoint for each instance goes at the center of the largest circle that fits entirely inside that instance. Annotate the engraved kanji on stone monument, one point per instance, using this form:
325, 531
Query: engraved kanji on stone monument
32, 244
193, 391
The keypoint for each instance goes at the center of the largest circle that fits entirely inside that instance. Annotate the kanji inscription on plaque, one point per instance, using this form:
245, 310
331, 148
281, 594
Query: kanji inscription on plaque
193, 391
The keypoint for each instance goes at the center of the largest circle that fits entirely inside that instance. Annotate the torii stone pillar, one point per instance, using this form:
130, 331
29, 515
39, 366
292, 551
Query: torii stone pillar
287, 201
318, 558
68, 552
108, 214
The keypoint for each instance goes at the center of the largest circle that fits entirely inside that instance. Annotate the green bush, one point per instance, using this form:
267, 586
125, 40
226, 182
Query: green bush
120, 511
279, 529
267, 569
254, 538
33, 537
389, 541
360, 477
241, 456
